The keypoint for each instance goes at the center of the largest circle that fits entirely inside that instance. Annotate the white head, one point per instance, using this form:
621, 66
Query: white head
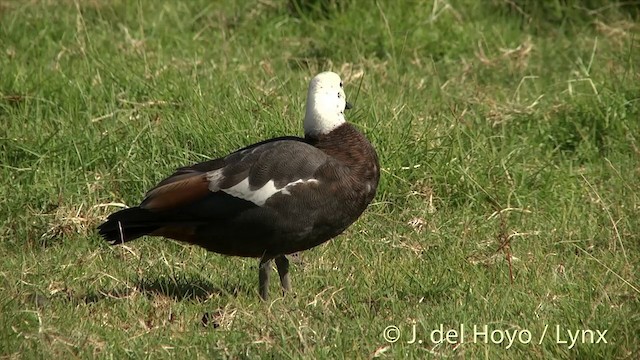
326, 103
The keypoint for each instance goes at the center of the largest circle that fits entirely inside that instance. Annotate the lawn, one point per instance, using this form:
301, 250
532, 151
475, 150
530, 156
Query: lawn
506, 221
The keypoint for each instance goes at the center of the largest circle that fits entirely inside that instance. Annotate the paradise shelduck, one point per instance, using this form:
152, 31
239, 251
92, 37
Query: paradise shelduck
269, 199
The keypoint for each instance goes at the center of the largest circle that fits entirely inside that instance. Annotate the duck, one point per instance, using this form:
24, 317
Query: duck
268, 200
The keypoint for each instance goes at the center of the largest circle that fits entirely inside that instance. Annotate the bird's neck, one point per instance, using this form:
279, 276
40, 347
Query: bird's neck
348, 145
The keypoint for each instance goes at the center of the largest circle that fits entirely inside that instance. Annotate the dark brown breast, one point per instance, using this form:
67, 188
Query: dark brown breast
349, 146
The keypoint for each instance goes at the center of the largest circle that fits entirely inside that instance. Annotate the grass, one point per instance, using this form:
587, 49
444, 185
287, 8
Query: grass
508, 134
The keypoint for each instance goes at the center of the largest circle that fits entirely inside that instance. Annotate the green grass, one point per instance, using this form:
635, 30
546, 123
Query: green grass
508, 133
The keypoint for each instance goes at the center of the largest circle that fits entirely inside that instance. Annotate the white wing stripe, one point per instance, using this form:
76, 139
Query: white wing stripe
258, 196
261, 195
214, 178
285, 189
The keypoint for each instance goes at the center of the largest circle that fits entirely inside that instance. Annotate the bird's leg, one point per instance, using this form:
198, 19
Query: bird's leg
263, 277
282, 263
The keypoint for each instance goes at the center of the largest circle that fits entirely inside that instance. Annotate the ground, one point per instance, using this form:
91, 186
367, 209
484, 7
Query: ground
509, 140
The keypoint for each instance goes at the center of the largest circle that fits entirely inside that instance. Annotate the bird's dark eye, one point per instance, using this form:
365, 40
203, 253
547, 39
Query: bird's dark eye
340, 83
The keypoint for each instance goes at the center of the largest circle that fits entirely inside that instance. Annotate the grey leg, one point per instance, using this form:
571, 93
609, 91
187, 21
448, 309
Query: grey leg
263, 277
282, 263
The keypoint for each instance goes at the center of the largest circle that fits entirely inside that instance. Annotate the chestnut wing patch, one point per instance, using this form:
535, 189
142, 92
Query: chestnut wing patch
177, 193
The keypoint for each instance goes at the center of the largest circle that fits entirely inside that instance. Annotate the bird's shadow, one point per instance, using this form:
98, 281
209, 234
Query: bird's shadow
179, 287
182, 288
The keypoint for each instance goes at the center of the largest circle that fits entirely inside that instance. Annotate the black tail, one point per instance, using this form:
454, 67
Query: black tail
128, 224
